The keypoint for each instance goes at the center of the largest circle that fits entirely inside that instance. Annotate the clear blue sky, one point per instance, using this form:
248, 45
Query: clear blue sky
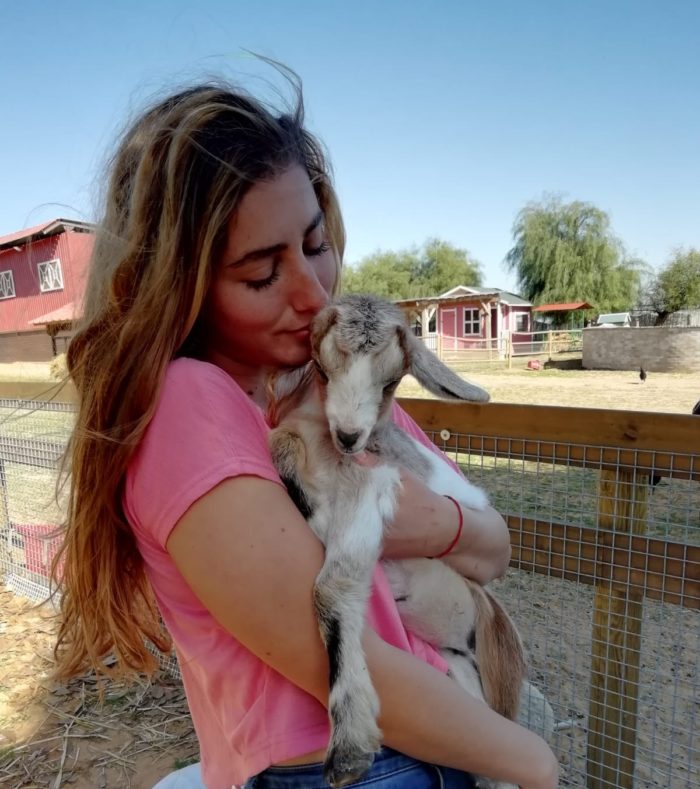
442, 118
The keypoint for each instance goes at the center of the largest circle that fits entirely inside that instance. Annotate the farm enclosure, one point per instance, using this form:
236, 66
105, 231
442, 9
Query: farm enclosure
612, 616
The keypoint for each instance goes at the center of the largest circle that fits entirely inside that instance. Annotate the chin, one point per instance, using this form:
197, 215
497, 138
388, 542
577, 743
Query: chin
292, 360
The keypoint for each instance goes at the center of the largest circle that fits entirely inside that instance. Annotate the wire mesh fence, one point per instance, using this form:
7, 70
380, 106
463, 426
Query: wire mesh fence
33, 436
604, 586
604, 513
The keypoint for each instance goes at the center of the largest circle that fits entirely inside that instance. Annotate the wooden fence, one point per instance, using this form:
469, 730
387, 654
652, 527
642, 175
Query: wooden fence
609, 556
624, 565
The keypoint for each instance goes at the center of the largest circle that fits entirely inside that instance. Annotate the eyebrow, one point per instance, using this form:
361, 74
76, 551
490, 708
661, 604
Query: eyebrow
264, 252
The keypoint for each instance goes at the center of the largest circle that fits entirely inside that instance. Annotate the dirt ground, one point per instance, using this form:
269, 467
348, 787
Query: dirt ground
661, 392
54, 735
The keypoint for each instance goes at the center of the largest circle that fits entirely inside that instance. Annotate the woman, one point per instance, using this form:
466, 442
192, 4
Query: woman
221, 240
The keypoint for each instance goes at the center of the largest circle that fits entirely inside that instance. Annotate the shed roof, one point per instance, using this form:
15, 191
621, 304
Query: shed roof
565, 307
614, 317
465, 292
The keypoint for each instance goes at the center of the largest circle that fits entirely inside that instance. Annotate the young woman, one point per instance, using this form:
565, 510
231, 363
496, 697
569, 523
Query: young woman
221, 239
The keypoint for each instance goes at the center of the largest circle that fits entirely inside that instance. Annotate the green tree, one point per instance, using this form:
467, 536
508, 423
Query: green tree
677, 286
428, 270
567, 252
386, 274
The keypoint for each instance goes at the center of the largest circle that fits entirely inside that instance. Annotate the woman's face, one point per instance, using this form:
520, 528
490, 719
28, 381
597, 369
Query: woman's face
277, 271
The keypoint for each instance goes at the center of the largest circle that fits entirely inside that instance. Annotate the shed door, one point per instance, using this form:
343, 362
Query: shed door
449, 328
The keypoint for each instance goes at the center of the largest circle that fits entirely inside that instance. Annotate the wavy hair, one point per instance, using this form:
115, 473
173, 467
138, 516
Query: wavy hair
176, 178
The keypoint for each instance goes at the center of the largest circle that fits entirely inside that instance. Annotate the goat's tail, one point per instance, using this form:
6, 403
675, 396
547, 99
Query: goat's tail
500, 655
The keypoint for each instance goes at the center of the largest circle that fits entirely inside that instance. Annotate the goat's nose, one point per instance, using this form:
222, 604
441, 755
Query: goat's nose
348, 440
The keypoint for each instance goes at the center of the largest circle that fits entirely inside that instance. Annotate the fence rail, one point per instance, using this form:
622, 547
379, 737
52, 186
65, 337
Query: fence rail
604, 513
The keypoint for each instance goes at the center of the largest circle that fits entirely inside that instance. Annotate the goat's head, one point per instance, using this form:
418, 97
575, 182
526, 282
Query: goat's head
362, 348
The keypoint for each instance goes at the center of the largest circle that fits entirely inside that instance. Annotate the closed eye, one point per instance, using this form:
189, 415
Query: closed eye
261, 284
313, 252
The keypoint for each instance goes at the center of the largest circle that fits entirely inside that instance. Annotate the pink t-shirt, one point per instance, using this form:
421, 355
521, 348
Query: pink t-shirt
246, 715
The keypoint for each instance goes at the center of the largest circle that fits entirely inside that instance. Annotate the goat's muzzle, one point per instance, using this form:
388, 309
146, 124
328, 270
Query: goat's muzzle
347, 442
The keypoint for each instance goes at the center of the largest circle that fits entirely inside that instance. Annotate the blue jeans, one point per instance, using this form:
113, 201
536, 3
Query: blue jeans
391, 770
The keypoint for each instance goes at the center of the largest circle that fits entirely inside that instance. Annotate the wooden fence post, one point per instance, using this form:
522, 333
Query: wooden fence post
616, 640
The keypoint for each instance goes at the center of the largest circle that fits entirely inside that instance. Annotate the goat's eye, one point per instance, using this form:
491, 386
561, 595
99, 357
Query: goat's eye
321, 373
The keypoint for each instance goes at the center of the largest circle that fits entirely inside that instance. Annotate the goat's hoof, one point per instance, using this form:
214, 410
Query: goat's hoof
345, 765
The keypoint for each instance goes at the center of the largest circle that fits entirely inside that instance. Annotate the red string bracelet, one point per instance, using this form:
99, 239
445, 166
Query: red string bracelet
459, 530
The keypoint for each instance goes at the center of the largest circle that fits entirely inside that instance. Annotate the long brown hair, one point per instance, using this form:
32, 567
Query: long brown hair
175, 180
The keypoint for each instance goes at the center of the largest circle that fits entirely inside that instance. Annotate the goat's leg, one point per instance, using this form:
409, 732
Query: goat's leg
340, 595
289, 454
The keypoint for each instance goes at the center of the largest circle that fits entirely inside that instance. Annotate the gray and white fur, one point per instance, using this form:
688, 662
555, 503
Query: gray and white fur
362, 348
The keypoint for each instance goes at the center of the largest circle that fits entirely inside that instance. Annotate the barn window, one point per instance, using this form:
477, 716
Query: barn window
50, 275
521, 321
7, 285
472, 321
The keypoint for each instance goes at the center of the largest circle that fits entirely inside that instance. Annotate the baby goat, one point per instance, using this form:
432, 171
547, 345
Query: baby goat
362, 348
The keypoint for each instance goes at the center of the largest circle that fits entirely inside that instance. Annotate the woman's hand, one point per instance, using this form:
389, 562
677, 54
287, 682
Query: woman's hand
426, 523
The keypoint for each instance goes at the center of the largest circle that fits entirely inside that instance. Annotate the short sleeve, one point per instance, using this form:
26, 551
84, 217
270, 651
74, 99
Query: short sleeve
205, 429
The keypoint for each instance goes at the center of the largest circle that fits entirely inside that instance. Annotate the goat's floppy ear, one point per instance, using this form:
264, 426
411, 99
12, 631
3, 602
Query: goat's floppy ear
321, 324
435, 376
499, 653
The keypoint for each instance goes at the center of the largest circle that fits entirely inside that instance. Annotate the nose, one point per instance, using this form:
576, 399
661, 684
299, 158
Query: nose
309, 294
347, 440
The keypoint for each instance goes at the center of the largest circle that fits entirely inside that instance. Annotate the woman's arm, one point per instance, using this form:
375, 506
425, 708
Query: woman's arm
426, 523
453, 729
252, 560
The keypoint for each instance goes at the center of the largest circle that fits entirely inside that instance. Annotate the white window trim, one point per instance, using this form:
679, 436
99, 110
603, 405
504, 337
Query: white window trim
58, 268
473, 322
11, 280
524, 316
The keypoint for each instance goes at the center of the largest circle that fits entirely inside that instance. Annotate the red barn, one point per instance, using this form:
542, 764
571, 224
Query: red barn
43, 272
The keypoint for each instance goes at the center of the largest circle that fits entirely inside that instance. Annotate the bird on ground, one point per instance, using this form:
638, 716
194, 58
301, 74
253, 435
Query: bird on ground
642, 374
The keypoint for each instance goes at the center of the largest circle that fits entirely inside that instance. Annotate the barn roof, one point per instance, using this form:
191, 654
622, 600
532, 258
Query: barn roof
65, 314
43, 231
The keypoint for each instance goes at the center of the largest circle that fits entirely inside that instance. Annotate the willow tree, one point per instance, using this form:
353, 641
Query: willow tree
566, 252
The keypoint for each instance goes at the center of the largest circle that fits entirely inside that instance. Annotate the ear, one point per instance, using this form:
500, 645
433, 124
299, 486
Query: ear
435, 376
500, 656
320, 326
